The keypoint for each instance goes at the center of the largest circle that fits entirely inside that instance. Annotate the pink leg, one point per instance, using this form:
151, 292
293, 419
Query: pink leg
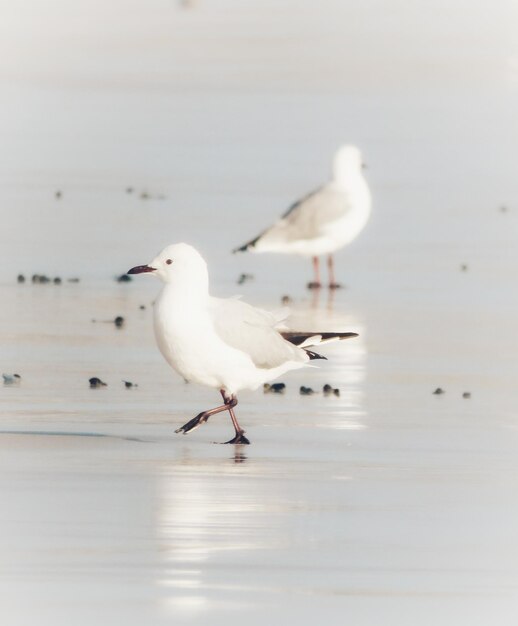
201, 418
231, 402
316, 282
331, 269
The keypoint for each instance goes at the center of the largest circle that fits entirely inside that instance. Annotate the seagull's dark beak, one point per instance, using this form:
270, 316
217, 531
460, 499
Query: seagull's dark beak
141, 269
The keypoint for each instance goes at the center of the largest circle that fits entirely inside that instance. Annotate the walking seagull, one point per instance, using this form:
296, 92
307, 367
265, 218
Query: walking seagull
323, 221
222, 343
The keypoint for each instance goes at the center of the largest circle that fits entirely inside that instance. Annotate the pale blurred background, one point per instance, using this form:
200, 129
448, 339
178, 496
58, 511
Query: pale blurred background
230, 110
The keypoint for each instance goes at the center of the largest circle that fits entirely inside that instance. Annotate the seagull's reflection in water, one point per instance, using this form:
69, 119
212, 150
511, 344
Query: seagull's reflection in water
206, 512
327, 311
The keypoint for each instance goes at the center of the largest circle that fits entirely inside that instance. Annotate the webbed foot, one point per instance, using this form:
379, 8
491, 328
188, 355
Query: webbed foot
194, 423
239, 438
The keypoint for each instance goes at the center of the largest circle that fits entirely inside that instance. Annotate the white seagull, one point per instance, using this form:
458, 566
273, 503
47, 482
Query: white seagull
323, 221
222, 343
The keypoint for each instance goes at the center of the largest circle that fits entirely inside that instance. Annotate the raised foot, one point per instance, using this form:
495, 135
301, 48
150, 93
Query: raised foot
314, 285
192, 424
239, 438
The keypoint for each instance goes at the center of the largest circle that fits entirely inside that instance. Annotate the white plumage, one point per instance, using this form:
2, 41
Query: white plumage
323, 221
222, 343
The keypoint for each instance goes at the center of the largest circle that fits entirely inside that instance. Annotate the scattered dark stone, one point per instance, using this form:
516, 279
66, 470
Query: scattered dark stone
57, 280
129, 385
438, 391
11, 379
306, 391
330, 391
73, 280
123, 278
142, 307
20, 278
40, 279
275, 388
286, 300
58, 194
96, 382
145, 195
503, 209
464, 267
118, 321
129, 190
243, 278
466, 395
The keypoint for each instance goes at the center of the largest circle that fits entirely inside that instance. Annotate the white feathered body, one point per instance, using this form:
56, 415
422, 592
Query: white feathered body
208, 341
326, 219
320, 223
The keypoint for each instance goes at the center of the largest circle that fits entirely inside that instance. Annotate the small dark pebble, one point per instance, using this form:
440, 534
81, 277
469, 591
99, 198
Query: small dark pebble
464, 267
142, 307
73, 280
129, 190
306, 391
129, 385
20, 278
466, 394
118, 321
40, 279
286, 300
438, 391
243, 278
57, 280
330, 391
145, 195
503, 209
275, 388
123, 278
11, 379
58, 194
96, 382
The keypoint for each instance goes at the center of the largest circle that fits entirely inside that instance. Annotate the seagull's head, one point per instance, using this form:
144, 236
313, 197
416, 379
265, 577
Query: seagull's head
347, 163
178, 263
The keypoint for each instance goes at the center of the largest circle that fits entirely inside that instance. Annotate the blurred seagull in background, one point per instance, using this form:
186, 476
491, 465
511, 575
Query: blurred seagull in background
222, 343
323, 221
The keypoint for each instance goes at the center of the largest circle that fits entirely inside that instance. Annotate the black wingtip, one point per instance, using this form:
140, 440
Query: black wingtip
247, 246
313, 355
297, 338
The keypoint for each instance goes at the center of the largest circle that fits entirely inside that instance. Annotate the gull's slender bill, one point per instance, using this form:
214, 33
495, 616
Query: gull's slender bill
140, 269
323, 221
221, 343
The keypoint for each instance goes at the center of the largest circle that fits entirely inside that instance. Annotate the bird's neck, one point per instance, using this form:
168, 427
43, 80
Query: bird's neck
347, 180
185, 292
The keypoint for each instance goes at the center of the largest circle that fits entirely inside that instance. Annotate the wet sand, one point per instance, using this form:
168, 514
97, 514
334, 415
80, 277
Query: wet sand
386, 501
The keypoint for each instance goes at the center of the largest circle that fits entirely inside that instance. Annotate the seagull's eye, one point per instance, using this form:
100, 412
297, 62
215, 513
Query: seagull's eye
169, 261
